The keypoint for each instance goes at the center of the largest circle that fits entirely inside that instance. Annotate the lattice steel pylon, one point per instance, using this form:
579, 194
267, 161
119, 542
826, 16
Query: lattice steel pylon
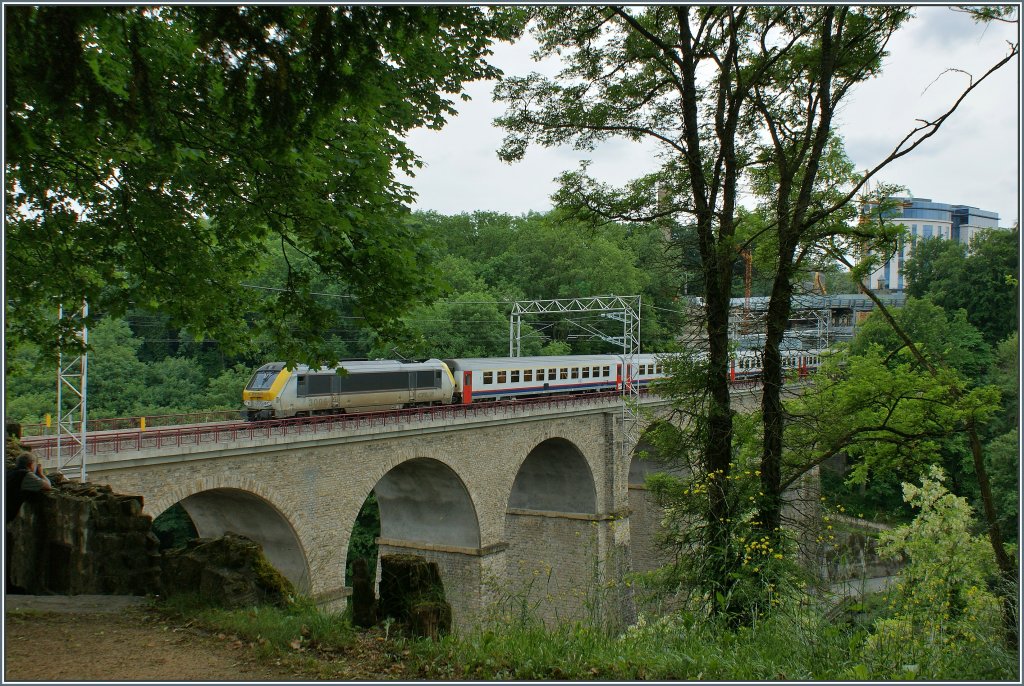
625, 308
72, 404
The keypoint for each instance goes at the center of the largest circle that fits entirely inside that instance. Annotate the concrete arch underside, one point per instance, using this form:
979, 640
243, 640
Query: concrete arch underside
217, 511
425, 501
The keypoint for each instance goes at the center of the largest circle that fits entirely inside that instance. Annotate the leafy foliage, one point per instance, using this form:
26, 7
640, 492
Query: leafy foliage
174, 527
362, 543
942, 611
983, 281
155, 153
123, 385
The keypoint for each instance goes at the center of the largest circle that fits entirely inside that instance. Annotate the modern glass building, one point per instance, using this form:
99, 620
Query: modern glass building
926, 219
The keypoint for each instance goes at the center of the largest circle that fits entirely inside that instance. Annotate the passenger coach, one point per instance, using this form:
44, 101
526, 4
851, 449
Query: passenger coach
492, 378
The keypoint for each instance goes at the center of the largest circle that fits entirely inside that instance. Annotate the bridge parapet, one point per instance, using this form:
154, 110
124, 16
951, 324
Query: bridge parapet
132, 448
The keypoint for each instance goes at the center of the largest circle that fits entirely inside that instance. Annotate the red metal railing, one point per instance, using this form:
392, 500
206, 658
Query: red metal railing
123, 441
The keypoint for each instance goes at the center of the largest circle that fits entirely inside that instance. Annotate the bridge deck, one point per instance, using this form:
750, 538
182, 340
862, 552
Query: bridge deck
135, 446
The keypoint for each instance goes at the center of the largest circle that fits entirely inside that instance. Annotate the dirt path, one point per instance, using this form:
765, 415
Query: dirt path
61, 638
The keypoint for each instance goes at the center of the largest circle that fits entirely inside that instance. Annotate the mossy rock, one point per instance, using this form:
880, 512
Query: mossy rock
230, 571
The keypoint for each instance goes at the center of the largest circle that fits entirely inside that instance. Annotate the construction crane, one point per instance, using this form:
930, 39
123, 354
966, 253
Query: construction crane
747, 277
819, 285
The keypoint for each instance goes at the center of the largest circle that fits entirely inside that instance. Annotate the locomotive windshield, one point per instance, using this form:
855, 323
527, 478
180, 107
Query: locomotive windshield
263, 378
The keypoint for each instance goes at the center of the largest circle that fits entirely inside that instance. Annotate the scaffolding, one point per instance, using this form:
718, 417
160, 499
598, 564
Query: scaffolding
624, 308
810, 324
72, 402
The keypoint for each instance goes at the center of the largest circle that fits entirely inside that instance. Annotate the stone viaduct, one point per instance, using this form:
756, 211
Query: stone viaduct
527, 505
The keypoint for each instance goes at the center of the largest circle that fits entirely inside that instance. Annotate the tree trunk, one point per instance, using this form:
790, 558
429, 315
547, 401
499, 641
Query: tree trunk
773, 419
719, 450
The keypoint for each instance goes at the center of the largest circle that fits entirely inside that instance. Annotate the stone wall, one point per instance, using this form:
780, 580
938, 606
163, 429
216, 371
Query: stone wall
644, 527
553, 569
84, 539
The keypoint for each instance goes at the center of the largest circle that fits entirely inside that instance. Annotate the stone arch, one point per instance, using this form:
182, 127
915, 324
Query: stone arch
244, 507
554, 477
424, 500
645, 458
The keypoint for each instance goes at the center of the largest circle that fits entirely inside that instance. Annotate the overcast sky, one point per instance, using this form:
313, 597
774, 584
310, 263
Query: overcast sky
973, 160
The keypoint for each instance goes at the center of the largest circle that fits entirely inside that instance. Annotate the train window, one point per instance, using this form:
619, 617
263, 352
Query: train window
514, 376
586, 373
301, 390
606, 371
540, 375
488, 378
574, 372
318, 384
563, 373
552, 374
501, 376
596, 371
262, 379
371, 382
527, 375
426, 378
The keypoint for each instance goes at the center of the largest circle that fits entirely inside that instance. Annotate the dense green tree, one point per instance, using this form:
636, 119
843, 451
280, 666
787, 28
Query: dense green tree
1003, 459
983, 280
972, 424
174, 385
117, 380
1005, 375
224, 391
553, 258
153, 153
884, 411
932, 262
938, 333
120, 382
468, 325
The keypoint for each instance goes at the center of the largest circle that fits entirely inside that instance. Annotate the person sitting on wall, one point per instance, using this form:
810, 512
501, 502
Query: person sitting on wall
26, 477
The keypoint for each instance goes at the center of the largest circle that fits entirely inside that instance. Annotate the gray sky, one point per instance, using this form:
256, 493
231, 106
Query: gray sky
973, 160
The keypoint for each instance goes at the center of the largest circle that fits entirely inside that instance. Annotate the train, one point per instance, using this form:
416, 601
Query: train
747, 365
276, 392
